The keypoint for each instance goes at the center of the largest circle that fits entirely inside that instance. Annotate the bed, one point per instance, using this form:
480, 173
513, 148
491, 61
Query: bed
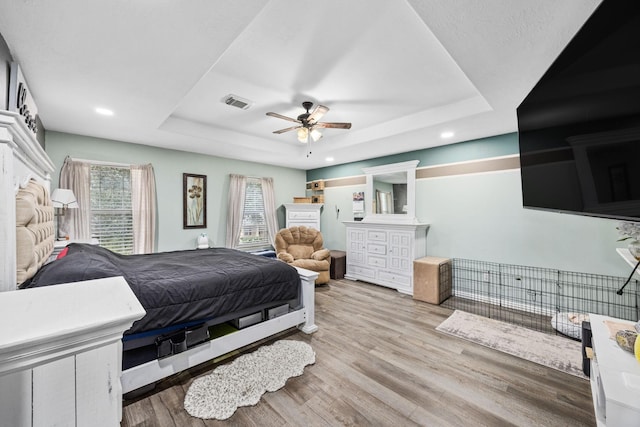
187, 295
245, 291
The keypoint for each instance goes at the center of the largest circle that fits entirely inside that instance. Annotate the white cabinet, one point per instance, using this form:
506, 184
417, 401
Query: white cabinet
306, 214
615, 377
383, 253
61, 353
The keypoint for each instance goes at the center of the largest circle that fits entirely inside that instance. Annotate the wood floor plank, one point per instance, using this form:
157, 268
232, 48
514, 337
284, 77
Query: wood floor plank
380, 361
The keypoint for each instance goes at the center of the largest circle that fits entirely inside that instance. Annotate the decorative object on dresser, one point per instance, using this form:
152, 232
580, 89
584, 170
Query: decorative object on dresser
381, 248
243, 381
307, 214
303, 247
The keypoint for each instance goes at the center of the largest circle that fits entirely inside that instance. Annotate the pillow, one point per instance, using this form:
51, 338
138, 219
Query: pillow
63, 253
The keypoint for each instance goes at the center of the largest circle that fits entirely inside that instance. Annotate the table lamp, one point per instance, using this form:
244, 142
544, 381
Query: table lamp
64, 199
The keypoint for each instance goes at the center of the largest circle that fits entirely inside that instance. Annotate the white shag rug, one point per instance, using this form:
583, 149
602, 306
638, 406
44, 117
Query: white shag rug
243, 381
556, 352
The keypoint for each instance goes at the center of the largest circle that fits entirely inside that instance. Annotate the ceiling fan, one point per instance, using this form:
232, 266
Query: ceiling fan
308, 123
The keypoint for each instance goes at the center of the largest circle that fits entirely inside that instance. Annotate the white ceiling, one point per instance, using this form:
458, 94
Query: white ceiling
401, 71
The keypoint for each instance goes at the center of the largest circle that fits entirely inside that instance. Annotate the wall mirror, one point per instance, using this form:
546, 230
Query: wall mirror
390, 193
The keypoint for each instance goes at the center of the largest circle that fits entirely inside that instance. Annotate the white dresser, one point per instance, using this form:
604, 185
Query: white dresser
615, 377
61, 353
307, 214
383, 253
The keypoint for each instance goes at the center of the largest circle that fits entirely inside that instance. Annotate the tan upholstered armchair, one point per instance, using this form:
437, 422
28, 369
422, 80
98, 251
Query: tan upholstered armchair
302, 247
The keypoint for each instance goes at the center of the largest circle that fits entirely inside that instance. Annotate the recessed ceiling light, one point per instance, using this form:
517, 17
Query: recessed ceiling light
446, 134
329, 159
104, 111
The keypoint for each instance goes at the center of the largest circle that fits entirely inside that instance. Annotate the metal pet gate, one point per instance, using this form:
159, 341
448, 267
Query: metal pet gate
537, 298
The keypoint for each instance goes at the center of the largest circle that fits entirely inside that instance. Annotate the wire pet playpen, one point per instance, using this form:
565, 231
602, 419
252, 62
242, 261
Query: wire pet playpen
543, 299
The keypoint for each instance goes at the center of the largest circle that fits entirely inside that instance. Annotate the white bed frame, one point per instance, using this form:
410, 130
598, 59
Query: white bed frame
22, 159
304, 318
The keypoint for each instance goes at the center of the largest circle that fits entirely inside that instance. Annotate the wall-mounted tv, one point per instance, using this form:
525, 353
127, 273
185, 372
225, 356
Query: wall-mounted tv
579, 128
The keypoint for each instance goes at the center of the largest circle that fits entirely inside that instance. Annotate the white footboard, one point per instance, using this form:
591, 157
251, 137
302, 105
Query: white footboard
155, 370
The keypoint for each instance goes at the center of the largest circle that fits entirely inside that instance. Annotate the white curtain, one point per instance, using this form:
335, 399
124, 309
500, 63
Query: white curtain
143, 204
76, 176
271, 217
237, 187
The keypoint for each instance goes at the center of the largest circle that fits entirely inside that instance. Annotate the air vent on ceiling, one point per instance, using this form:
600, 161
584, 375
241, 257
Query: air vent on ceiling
236, 101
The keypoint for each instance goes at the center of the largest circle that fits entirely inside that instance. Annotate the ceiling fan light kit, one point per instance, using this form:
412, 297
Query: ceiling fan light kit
303, 134
309, 124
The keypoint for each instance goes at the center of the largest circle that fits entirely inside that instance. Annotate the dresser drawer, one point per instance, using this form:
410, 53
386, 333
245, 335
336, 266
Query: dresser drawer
376, 261
395, 279
357, 271
376, 249
308, 224
303, 215
377, 235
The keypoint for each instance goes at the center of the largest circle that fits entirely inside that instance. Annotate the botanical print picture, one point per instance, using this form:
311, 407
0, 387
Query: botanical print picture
194, 200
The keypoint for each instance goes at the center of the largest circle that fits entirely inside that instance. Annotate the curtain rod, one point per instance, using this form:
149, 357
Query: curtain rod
102, 163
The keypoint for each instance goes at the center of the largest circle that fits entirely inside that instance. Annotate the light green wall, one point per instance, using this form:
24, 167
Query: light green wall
480, 217
477, 216
169, 165
495, 146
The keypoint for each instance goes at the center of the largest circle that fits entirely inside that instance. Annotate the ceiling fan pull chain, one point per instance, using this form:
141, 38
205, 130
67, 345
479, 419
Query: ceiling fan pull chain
308, 147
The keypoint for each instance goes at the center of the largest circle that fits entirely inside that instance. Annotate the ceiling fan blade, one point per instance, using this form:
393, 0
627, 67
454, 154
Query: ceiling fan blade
280, 116
317, 114
333, 125
287, 129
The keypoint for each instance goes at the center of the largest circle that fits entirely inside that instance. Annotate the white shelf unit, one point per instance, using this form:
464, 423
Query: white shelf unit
303, 214
630, 259
615, 378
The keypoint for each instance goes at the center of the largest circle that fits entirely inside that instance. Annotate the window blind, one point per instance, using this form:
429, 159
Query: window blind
111, 213
254, 233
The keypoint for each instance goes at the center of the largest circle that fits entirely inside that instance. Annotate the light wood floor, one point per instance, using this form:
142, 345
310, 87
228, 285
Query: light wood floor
380, 362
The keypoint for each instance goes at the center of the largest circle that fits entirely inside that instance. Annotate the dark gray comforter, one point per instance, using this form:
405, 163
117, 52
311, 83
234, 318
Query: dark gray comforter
181, 286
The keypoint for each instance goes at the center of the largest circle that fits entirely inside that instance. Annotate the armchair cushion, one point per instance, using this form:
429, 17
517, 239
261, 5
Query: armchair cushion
321, 255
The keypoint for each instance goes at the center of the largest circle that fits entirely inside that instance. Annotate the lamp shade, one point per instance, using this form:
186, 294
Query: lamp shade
315, 135
64, 198
303, 134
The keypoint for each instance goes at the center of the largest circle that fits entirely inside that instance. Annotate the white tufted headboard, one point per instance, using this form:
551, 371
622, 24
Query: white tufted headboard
34, 229
21, 158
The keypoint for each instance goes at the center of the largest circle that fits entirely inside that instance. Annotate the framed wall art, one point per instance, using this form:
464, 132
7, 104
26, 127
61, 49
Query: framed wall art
194, 201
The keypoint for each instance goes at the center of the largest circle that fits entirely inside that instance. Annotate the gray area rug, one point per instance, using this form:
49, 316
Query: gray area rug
553, 351
243, 381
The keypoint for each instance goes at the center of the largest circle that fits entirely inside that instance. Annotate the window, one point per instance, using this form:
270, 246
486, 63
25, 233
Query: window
111, 214
254, 234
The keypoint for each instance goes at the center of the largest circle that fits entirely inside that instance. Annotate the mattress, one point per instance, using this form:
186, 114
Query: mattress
180, 286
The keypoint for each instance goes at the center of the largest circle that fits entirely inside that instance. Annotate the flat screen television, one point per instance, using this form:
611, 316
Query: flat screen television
579, 128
